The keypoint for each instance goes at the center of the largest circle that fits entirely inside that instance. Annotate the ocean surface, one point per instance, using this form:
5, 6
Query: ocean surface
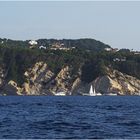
73, 117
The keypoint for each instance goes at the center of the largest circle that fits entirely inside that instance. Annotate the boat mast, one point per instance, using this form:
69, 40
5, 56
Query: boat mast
94, 92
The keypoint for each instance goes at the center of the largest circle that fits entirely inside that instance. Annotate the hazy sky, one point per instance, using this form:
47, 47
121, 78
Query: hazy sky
114, 23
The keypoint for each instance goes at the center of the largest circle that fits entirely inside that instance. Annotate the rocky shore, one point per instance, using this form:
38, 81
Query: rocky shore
40, 80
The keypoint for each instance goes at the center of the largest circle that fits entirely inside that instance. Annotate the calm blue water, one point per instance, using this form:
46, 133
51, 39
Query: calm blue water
69, 117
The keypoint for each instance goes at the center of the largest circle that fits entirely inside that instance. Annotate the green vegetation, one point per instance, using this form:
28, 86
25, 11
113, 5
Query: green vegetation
89, 54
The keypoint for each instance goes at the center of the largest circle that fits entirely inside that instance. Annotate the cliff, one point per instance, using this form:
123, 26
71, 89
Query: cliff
42, 81
114, 82
39, 80
36, 71
117, 82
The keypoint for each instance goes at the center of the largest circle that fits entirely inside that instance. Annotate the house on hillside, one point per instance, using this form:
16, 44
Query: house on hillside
33, 42
42, 47
108, 49
58, 46
111, 49
135, 52
119, 59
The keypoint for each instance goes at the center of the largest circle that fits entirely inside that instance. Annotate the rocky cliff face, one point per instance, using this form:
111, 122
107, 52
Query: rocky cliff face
42, 81
64, 81
39, 80
113, 82
117, 82
37, 77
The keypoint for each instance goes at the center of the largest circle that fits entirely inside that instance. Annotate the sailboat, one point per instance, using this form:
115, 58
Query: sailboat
93, 92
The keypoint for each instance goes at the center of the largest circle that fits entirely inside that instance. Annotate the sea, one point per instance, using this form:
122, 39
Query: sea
69, 117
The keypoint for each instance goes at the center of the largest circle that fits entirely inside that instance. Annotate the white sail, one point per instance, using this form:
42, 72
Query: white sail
91, 92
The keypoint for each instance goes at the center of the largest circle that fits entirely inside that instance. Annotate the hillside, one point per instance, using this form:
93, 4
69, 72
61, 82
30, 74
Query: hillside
26, 69
87, 44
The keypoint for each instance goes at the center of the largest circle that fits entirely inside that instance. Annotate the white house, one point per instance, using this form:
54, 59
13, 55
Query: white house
42, 47
33, 42
108, 49
111, 49
119, 59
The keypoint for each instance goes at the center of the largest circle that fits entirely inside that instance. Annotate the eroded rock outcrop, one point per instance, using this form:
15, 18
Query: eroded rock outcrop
11, 88
40, 80
117, 82
113, 82
64, 81
37, 77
